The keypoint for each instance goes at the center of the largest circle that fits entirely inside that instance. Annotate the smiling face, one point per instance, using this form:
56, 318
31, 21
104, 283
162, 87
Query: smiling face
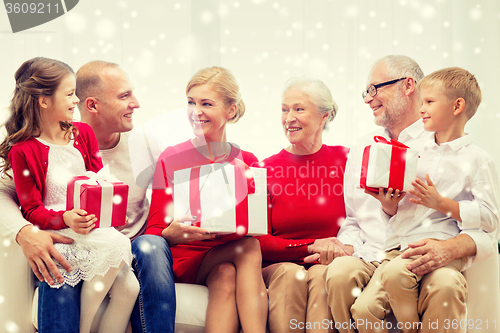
116, 102
64, 100
301, 120
208, 114
437, 109
388, 104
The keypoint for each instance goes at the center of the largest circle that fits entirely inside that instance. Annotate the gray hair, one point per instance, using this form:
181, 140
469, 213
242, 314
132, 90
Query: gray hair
401, 66
319, 94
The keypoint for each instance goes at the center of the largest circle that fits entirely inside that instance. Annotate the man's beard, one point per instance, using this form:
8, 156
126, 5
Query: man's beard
395, 110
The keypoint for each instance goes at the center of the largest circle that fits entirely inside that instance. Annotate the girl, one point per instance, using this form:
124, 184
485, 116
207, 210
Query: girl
230, 266
44, 150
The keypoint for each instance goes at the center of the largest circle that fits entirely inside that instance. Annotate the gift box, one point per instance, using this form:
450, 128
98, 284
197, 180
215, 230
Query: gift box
100, 194
388, 164
225, 197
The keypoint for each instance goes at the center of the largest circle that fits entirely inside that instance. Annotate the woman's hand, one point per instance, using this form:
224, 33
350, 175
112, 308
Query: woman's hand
388, 200
324, 250
178, 232
79, 221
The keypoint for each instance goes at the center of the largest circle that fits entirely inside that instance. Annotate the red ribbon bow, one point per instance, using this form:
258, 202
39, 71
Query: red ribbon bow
397, 167
244, 185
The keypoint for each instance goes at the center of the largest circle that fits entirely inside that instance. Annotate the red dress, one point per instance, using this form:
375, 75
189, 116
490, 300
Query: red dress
306, 202
187, 257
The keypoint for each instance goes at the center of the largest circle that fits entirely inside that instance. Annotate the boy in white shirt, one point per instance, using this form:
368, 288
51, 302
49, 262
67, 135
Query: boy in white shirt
461, 192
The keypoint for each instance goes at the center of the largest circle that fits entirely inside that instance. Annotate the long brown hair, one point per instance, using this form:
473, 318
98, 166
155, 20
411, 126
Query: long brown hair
35, 78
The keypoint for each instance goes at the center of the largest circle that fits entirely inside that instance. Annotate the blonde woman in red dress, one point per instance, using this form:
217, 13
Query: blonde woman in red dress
230, 265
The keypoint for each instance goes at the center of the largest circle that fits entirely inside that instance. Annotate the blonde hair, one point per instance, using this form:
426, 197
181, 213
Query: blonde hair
456, 82
223, 82
319, 94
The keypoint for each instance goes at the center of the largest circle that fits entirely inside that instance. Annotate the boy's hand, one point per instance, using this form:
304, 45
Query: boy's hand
427, 194
388, 200
79, 221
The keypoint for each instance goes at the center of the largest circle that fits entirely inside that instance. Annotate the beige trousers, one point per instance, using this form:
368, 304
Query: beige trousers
434, 302
345, 278
428, 303
297, 299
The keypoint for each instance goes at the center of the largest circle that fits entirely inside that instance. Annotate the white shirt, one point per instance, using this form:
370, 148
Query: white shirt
461, 171
364, 227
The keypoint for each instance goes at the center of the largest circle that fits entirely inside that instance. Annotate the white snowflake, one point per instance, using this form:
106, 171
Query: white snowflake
428, 11
300, 275
75, 22
241, 230
98, 286
105, 28
206, 17
356, 291
11, 327
416, 28
351, 11
117, 199
476, 14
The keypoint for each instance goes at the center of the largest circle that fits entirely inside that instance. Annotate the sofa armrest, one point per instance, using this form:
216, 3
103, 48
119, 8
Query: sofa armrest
17, 284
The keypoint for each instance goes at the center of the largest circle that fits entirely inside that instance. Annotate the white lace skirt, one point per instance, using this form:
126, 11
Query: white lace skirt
92, 254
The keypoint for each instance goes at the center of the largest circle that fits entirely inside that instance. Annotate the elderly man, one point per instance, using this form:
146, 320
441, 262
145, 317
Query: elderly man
107, 103
393, 97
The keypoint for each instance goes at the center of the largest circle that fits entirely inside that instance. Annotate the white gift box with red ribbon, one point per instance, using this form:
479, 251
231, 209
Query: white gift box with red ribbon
388, 164
100, 194
225, 197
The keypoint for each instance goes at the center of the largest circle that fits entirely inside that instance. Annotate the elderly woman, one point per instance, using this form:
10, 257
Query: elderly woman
305, 189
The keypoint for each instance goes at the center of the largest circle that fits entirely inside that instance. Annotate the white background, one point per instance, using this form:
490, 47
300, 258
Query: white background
161, 43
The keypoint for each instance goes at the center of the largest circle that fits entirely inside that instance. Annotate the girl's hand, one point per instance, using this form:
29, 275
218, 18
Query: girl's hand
79, 221
427, 194
178, 232
388, 200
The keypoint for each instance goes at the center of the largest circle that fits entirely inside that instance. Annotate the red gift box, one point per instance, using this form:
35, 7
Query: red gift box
388, 164
99, 194
225, 197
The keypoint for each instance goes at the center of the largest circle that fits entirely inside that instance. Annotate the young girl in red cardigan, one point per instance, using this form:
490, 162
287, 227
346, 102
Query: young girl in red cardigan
45, 149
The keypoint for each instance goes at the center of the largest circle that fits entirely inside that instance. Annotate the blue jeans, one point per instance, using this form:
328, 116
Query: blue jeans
154, 310
59, 309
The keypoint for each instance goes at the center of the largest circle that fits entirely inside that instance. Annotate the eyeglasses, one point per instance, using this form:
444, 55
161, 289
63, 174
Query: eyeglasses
372, 90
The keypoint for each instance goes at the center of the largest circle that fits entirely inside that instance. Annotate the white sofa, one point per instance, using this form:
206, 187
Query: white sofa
17, 292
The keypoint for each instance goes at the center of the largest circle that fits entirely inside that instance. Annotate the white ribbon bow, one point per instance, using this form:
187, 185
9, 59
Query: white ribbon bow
104, 178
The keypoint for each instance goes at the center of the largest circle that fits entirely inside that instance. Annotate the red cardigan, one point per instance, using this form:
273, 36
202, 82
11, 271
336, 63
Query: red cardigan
30, 160
306, 201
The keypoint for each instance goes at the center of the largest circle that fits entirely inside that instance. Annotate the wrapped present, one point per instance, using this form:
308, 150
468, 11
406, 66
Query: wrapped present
225, 197
100, 194
388, 164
